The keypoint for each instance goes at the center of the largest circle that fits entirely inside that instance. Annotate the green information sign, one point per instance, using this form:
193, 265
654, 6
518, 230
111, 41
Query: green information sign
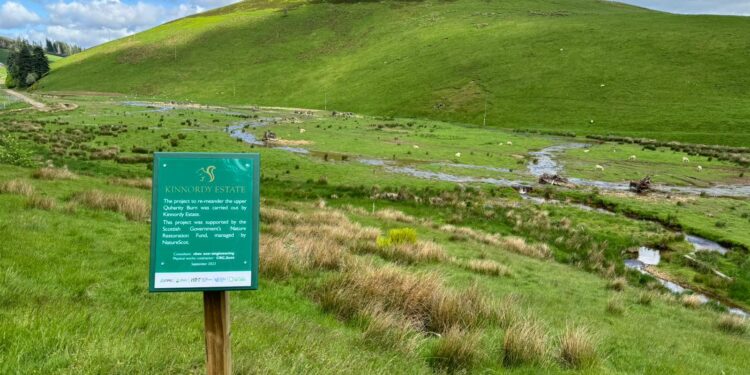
204, 222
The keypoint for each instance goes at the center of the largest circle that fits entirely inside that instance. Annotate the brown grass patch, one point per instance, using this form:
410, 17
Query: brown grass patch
391, 330
732, 324
17, 186
134, 208
50, 173
577, 348
525, 342
457, 350
41, 203
510, 243
692, 301
618, 284
422, 297
487, 267
394, 215
138, 183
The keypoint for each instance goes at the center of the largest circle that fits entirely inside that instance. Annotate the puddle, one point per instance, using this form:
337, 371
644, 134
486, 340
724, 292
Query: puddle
647, 257
702, 244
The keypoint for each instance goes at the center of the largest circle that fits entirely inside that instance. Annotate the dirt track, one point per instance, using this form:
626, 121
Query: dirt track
38, 105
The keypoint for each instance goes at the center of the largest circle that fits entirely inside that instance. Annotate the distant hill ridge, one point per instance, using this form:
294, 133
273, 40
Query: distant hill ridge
585, 66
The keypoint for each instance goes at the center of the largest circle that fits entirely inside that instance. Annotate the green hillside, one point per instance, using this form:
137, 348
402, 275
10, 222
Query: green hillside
551, 65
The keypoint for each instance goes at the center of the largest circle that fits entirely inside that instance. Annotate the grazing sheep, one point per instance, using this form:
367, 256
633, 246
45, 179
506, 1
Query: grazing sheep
509, 143
416, 147
599, 168
458, 154
632, 157
591, 121
302, 131
685, 159
699, 168
586, 151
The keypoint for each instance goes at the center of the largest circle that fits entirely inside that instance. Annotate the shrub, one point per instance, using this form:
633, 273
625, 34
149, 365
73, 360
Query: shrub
577, 348
525, 342
457, 350
732, 324
14, 153
17, 186
48, 173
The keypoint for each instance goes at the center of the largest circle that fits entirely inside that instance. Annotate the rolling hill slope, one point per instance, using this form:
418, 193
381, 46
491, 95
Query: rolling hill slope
575, 65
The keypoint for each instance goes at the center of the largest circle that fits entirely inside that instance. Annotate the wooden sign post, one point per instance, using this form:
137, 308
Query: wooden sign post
204, 236
218, 333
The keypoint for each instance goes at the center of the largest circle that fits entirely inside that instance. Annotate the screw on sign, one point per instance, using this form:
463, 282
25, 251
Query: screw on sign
204, 236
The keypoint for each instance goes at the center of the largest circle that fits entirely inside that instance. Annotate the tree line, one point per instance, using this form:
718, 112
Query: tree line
26, 65
54, 47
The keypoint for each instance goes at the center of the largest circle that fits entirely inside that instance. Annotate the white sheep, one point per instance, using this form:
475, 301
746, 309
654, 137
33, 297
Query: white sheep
509, 143
415, 147
685, 159
632, 157
458, 154
586, 151
699, 168
599, 168
591, 121
302, 131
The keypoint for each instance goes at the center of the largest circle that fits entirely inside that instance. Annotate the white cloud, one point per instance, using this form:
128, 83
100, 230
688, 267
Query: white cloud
15, 15
105, 13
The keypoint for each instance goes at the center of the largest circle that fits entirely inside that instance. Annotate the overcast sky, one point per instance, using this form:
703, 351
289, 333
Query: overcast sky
91, 22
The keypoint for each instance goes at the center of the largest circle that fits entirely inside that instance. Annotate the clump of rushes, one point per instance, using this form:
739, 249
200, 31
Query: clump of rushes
577, 347
457, 350
401, 244
732, 324
134, 208
616, 306
40, 202
390, 330
50, 173
525, 342
692, 301
394, 215
139, 183
487, 267
645, 298
618, 284
17, 186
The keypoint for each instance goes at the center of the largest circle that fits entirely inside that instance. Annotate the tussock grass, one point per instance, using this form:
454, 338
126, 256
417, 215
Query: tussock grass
508, 310
618, 284
732, 324
138, 183
525, 342
616, 306
645, 298
487, 267
392, 330
401, 245
134, 208
276, 261
420, 297
394, 215
692, 301
510, 243
577, 347
41, 203
274, 215
17, 186
51, 173
458, 349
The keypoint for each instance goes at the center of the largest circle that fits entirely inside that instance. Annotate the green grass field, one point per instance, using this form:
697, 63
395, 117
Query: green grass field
575, 65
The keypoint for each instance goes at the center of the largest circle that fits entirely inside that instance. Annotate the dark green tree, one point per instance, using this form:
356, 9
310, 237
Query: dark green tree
40, 64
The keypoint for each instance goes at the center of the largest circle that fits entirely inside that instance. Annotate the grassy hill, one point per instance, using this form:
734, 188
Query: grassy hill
581, 65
